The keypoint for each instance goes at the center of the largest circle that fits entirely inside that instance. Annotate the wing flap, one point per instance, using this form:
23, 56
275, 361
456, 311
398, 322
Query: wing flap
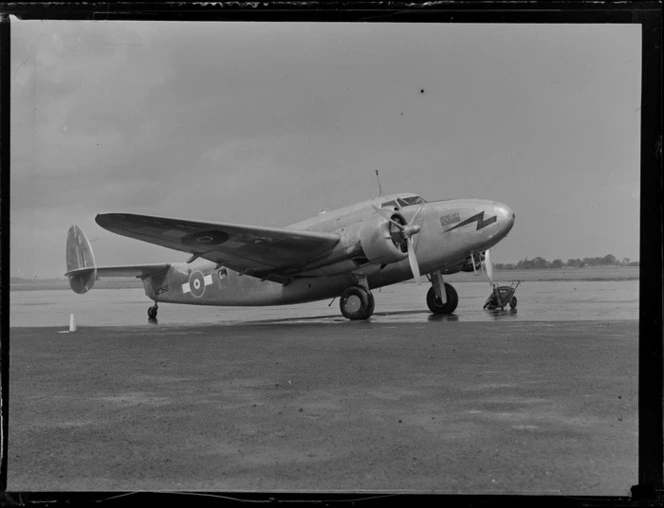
242, 248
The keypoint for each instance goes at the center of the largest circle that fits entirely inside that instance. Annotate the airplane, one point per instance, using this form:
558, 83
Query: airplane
342, 253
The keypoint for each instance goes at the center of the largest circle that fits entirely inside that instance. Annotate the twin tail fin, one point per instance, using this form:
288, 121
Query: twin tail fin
81, 268
83, 272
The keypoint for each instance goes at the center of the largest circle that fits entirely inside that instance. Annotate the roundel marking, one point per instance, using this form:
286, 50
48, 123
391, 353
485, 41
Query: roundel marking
211, 237
196, 284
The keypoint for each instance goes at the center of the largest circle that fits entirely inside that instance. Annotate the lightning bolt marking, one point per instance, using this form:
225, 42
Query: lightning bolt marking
479, 218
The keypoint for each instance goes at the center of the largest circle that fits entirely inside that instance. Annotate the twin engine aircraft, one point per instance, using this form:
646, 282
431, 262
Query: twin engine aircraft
342, 253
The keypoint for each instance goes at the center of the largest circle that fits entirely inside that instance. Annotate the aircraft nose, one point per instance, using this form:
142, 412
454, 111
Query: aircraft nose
505, 216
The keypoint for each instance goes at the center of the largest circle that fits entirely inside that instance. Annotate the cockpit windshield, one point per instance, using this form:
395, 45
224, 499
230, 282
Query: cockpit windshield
401, 202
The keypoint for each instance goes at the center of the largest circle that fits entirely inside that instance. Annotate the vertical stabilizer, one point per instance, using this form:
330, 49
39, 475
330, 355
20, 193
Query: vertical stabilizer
81, 268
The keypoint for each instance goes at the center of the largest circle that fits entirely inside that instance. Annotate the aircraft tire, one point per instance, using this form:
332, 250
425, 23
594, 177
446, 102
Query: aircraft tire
372, 304
513, 303
152, 312
436, 305
356, 303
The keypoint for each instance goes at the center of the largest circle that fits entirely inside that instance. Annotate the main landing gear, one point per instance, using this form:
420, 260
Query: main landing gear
357, 303
152, 311
437, 306
441, 298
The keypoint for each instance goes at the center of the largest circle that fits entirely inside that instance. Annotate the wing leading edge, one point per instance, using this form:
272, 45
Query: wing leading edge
259, 251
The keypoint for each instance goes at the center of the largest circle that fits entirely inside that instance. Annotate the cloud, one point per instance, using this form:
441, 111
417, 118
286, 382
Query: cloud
268, 123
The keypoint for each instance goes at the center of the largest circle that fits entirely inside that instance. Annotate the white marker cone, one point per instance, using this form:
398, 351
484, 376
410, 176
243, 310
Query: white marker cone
72, 323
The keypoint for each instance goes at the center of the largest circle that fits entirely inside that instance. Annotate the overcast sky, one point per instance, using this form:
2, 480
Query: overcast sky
267, 123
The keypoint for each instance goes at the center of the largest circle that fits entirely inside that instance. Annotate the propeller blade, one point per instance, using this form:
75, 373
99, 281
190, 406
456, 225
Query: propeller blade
489, 265
412, 229
388, 215
412, 259
417, 212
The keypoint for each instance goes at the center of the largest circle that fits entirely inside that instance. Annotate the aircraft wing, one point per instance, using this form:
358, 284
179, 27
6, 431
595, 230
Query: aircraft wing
263, 252
122, 271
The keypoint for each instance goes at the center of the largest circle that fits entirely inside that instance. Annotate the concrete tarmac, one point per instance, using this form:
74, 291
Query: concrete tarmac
498, 407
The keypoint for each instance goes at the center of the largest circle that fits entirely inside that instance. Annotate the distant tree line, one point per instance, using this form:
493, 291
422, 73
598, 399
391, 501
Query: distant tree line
539, 262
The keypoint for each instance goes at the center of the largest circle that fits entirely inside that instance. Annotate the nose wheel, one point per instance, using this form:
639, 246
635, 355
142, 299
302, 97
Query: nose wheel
152, 311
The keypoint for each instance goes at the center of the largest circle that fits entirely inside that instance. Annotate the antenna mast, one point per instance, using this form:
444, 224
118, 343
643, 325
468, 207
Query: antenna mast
380, 189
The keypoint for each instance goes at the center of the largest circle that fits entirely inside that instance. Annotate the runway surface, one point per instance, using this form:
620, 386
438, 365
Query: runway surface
400, 403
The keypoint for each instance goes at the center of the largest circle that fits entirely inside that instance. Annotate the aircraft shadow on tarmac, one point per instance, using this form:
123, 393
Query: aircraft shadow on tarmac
495, 314
338, 319
375, 319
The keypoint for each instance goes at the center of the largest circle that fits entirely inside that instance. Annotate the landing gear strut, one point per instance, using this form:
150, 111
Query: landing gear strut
437, 306
152, 311
357, 303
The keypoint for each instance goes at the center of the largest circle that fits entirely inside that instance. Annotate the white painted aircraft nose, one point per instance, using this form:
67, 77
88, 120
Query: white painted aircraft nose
505, 215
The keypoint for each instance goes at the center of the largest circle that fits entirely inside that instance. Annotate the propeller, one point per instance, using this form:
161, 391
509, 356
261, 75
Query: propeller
414, 267
489, 266
406, 232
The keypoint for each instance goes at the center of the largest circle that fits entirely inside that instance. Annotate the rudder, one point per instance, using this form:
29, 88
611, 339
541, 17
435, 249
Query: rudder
81, 267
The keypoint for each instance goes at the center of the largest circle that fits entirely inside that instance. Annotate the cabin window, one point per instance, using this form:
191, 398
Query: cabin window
414, 200
401, 202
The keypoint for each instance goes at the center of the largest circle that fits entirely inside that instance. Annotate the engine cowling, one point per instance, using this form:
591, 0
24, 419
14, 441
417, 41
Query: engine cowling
380, 241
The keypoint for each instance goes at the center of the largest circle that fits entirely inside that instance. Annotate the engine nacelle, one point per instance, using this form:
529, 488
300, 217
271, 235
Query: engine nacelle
379, 242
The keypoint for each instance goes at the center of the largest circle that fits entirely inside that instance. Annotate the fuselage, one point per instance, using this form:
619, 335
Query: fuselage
450, 231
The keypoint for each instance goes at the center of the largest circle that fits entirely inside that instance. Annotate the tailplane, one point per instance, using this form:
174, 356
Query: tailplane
81, 268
